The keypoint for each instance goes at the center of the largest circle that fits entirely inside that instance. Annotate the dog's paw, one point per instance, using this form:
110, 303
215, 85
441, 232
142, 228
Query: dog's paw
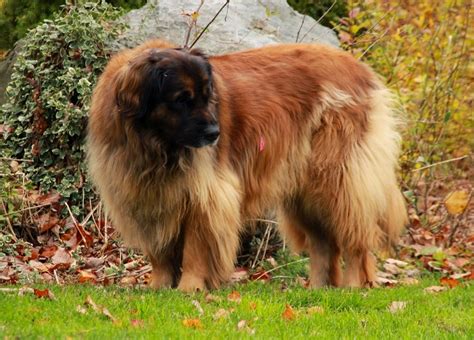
191, 283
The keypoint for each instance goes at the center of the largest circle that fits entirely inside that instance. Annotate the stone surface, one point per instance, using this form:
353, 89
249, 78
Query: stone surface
243, 24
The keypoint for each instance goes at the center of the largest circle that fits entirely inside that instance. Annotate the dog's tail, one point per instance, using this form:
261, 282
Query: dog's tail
394, 219
374, 212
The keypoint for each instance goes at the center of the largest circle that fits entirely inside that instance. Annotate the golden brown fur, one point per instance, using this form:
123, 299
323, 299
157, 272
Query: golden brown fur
304, 129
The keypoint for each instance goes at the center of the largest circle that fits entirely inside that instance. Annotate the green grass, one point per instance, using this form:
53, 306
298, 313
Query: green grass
347, 313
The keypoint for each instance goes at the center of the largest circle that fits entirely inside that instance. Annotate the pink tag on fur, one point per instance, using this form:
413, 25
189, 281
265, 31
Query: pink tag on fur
261, 144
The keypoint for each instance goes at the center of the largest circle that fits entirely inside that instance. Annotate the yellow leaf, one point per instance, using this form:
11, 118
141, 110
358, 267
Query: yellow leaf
234, 296
194, 16
192, 323
456, 202
288, 313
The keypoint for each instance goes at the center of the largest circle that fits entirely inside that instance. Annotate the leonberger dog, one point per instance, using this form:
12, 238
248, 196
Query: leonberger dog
185, 148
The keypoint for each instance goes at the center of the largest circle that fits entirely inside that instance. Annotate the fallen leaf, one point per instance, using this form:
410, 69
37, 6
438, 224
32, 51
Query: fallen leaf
261, 275
456, 202
128, 280
409, 281
460, 276
26, 290
86, 276
221, 313
48, 251
212, 298
131, 265
46, 222
288, 313
435, 289
192, 323
80, 309
136, 323
241, 324
50, 198
234, 297
44, 293
396, 262
84, 237
99, 309
461, 262
91, 303
240, 274
198, 307
93, 262
392, 268
386, 282
397, 306
39, 266
253, 305
62, 257
315, 310
106, 312
450, 282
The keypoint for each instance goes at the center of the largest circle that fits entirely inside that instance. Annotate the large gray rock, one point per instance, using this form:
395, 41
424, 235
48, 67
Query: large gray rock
243, 24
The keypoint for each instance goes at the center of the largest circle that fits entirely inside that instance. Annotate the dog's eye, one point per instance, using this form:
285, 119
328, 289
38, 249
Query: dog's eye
183, 98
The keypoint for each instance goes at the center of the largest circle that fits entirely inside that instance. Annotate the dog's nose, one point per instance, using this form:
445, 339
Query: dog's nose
212, 132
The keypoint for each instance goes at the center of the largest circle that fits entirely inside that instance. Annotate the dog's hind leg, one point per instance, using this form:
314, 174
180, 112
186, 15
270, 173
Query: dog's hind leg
324, 257
305, 232
359, 269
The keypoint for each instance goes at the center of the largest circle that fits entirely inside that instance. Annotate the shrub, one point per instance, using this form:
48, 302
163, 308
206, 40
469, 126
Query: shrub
49, 94
422, 49
18, 16
317, 8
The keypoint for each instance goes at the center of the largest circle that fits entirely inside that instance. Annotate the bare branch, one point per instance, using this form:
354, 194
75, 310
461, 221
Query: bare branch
209, 24
319, 20
301, 26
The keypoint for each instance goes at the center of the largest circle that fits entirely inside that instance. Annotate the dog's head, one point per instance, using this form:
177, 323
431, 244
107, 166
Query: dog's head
168, 94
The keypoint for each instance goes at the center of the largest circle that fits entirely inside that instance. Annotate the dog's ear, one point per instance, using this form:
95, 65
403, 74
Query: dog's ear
199, 53
139, 84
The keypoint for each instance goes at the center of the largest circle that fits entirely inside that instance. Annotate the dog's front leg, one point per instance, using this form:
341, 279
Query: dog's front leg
195, 261
211, 241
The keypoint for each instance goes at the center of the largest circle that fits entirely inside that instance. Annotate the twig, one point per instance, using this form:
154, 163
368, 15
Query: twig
9, 223
373, 44
438, 163
16, 159
29, 208
260, 247
76, 224
282, 266
301, 26
319, 20
209, 24
89, 215
192, 23
55, 272
9, 290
